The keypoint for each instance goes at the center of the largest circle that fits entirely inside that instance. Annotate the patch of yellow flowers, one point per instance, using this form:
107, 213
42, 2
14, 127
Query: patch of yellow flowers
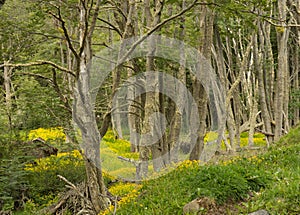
119, 146
128, 192
56, 162
232, 160
188, 164
256, 160
253, 159
47, 134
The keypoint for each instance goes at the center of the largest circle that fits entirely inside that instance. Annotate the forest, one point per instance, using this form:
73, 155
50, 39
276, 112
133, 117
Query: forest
149, 106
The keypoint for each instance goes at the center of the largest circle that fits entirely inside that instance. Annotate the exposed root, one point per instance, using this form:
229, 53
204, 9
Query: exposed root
76, 200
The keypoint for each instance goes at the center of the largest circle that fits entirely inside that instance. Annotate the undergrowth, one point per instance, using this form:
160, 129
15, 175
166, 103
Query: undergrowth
264, 181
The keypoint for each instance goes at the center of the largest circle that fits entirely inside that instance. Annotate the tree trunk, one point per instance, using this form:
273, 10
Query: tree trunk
253, 114
84, 116
199, 93
8, 94
221, 67
282, 70
134, 114
295, 85
259, 57
151, 129
173, 139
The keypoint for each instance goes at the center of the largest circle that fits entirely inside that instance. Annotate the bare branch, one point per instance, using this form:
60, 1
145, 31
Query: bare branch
264, 132
38, 63
282, 25
241, 72
84, 28
151, 31
112, 2
111, 25
130, 160
33, 75
66, 34
94, 19
72, 186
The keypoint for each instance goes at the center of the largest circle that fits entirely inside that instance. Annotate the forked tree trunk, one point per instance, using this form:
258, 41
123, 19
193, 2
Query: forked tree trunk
221, 68
84, 118
83, 114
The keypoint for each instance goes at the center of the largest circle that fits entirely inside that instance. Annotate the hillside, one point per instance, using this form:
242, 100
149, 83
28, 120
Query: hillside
240, 185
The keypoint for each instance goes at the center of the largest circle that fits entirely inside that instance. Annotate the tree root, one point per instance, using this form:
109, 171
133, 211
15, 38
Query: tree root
75, 200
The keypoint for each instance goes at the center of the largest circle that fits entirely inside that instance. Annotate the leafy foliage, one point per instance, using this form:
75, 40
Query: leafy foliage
54, 136
294, 104
14, 185
43, 175
37, 105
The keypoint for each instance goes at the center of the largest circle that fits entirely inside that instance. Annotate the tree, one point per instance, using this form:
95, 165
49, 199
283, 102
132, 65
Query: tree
282, 72
199, 92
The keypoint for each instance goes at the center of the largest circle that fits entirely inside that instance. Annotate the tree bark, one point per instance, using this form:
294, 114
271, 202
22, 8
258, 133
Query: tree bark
151, 129
84, 116
8, 94
259, 57
175, 125
282, 71
199, 93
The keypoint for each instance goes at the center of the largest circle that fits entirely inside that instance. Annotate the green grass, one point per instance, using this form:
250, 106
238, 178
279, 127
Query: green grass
261, 181
110, 149
283, 161
272, 178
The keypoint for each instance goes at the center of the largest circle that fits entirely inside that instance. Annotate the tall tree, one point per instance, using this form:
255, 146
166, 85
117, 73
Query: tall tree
83, 113
206, 18
282, 69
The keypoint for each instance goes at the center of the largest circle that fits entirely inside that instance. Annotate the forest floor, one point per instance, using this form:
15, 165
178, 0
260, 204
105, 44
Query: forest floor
229, 183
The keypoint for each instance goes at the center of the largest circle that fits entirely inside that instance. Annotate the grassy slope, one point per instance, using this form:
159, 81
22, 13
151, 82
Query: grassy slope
236, 184
268, 181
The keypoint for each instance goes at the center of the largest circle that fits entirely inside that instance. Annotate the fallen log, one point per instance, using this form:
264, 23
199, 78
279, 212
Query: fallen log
264, 132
